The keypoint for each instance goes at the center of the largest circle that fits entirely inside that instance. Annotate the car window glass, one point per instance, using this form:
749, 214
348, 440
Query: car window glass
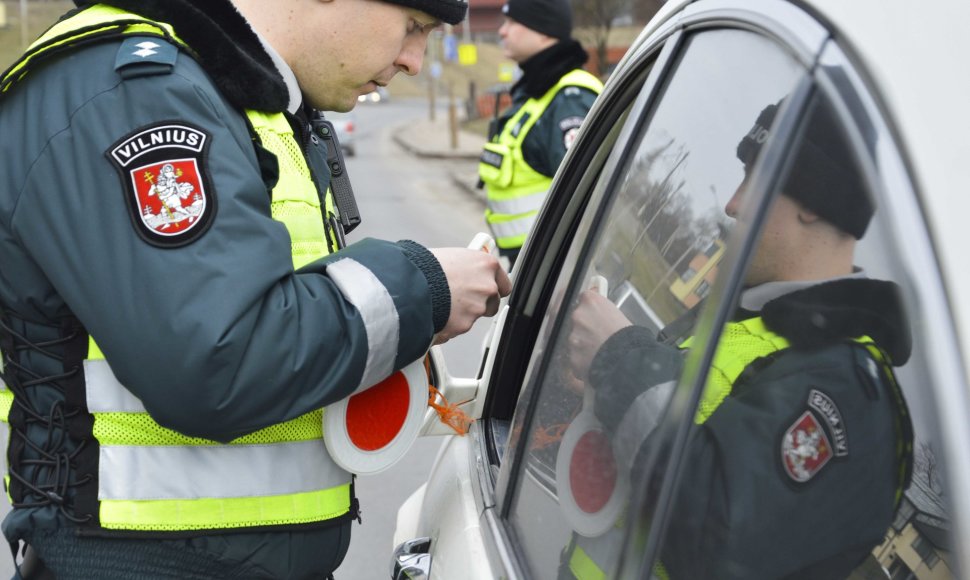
814, 453
654, 256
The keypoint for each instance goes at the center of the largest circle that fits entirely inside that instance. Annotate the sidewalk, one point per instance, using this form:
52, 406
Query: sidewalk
432, 139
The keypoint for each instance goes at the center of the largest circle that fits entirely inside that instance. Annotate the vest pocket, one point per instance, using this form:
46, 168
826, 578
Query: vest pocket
495, 165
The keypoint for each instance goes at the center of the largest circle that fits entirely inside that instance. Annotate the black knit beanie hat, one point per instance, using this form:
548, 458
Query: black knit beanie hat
550, 17
824, 176
447, 11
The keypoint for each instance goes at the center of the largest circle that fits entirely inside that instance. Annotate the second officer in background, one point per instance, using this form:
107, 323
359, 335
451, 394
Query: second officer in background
549, 102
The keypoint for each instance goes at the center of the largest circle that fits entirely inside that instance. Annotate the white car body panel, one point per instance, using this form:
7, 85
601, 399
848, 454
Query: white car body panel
445, 509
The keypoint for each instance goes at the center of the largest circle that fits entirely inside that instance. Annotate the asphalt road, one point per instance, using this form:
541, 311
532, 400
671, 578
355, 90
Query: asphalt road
400, 197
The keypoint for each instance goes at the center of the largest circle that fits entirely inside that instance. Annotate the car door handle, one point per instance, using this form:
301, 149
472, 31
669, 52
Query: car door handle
411, 560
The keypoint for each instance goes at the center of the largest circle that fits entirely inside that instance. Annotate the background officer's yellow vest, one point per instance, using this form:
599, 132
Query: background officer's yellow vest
515, 190
154, 479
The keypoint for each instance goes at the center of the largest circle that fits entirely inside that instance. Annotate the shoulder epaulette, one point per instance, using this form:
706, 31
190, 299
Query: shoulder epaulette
144, 56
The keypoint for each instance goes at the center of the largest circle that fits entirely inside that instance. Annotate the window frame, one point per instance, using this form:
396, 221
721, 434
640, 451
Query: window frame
670, 44
542, 273
556, 227
676, 426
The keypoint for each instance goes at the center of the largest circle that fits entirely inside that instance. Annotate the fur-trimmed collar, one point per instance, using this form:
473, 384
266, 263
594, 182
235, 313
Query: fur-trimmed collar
842, 309
543, 70
225, 45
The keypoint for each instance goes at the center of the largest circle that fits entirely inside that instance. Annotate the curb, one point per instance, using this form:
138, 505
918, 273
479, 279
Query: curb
467, 186
465, 182
409, 146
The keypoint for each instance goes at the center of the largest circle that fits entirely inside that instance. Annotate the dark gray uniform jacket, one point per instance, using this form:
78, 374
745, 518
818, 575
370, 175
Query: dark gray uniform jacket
218, 337
738, 514
545, 145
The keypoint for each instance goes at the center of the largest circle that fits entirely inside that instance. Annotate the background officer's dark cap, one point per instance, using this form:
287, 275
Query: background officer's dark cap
550, 17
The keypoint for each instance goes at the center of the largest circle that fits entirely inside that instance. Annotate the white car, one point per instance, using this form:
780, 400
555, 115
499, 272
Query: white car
547, 486
345, 125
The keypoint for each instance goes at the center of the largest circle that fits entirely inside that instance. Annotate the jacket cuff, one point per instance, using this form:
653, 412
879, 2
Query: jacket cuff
627, 364
425, 261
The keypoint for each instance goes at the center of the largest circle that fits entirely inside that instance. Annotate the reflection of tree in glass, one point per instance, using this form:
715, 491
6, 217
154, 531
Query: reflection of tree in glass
663, 204
655, 229
925, 465
643, 205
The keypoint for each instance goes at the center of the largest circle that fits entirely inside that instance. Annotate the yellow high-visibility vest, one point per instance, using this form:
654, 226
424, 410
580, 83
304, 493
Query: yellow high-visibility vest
153, 479
516, 191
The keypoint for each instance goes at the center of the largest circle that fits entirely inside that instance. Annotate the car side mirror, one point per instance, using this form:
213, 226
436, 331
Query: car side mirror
411, 560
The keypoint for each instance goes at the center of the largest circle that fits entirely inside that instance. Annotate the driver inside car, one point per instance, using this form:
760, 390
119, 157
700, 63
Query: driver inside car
802, 442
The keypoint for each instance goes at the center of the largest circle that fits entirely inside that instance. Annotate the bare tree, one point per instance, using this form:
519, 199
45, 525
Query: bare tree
597, 16
643, 10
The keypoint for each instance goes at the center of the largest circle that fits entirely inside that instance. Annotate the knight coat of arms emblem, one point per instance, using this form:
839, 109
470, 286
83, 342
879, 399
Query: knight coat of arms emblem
162, 168
170, 194
805, 448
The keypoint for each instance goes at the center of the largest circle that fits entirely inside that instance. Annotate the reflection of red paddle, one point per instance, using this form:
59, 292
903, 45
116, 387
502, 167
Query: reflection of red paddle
591, 489
592, 471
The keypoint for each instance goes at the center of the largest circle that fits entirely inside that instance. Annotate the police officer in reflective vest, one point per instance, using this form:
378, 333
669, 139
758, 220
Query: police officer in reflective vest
549, 102
177, 303
803, 442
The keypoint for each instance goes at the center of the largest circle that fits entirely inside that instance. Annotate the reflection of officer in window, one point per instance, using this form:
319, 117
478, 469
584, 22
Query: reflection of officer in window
802, 445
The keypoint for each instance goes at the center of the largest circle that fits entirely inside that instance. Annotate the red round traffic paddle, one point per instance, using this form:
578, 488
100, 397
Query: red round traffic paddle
373, 429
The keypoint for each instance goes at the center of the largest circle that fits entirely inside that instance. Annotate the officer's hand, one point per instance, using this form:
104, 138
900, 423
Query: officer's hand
594, 320
477, 282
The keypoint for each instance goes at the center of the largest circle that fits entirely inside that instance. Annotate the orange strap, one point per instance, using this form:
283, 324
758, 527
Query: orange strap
449, 413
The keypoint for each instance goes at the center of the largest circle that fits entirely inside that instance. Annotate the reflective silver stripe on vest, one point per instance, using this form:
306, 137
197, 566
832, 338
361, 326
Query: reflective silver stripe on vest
364, 290
512, 228
105, 394
215, 471
532, 202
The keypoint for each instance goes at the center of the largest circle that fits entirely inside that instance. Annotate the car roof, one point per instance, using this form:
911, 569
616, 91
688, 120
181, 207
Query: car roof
916, 55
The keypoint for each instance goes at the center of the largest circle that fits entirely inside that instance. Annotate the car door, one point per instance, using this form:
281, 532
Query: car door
654, 241
573, 481
458, 525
